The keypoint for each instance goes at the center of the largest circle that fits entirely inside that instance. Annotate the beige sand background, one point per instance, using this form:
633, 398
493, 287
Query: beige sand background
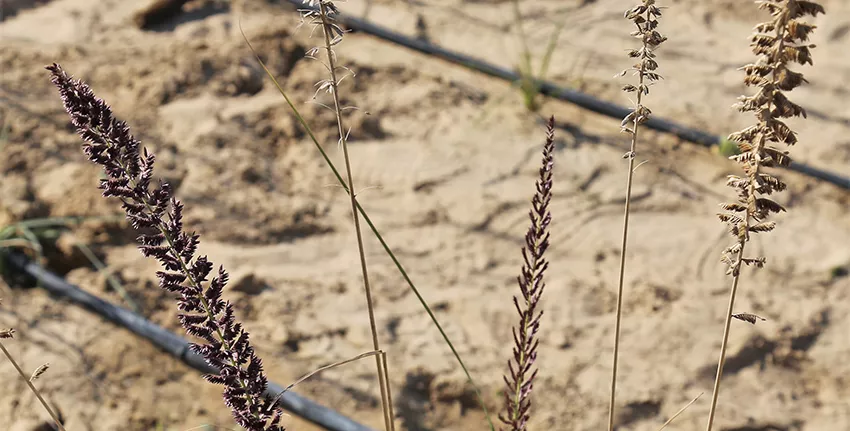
449, 160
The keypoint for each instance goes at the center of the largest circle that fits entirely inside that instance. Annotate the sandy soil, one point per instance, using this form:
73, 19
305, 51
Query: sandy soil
449, 159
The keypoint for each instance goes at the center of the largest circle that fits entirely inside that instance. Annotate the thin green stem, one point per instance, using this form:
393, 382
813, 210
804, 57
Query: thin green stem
110, 277
525, 65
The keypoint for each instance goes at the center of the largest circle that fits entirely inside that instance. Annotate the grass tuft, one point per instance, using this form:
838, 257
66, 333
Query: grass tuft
34, 234
529, 82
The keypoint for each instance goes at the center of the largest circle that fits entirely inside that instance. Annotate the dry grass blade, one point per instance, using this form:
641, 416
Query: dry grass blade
327, 367
17, 242
682, 410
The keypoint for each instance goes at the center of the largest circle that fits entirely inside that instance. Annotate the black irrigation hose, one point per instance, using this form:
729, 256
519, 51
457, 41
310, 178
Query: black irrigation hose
173, 344
565, 94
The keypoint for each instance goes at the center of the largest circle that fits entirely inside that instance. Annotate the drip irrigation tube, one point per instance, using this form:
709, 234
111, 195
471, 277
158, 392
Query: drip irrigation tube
173, 344
549, 89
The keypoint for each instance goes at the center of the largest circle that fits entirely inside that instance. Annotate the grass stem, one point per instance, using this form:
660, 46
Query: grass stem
726, 328
32, 387
386, 397
645, 18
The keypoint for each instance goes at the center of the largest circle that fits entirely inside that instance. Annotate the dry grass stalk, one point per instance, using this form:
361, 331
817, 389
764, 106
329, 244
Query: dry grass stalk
57, 418
682, 410
520, 380
777, 42
333, 33
645, 18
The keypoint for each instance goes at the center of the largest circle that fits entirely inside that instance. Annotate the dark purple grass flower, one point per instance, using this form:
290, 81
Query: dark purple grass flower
156, 212
520, 381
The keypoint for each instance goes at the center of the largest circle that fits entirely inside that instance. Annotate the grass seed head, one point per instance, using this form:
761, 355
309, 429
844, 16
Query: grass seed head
645, 18
777, 43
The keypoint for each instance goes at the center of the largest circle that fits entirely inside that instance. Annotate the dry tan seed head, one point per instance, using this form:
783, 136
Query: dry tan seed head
777, 43
747, 317
39, 371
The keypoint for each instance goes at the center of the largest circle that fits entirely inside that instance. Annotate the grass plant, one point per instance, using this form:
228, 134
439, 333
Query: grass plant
33, 234
529, 84
154, 211
332, 33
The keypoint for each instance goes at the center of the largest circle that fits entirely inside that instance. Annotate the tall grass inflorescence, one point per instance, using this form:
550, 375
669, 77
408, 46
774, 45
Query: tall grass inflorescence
159, 215
645, 18
780, 41
521, 371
